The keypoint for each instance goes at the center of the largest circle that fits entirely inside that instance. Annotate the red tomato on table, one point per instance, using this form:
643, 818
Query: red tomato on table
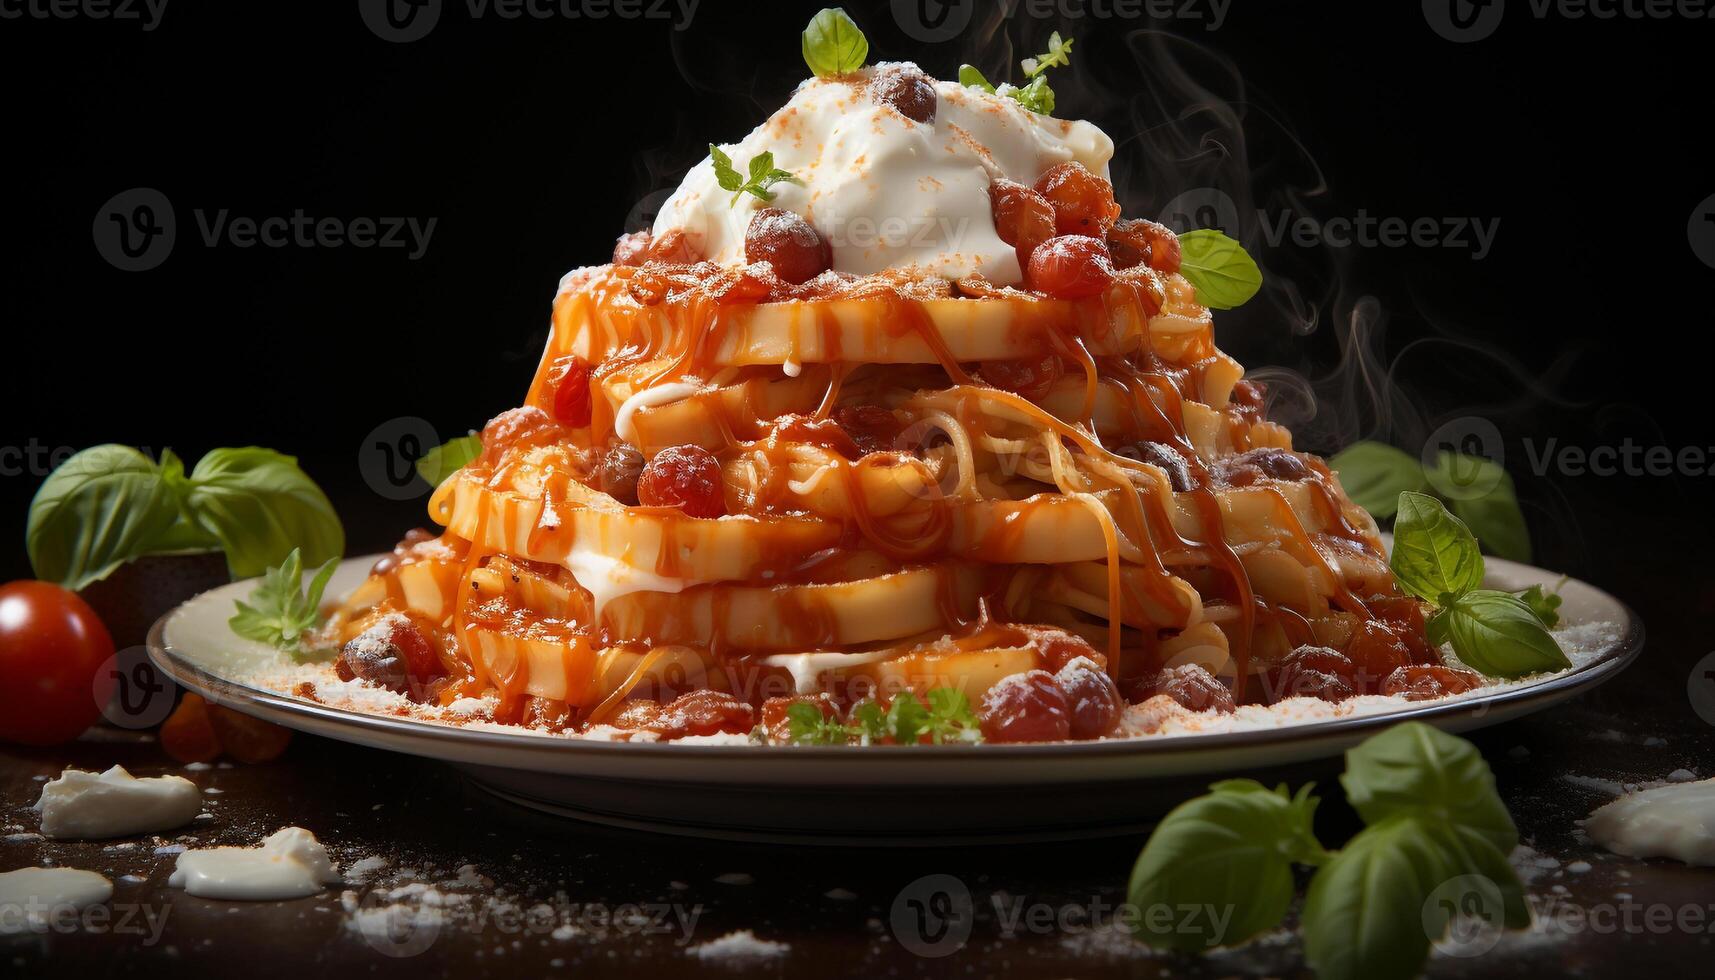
51, 645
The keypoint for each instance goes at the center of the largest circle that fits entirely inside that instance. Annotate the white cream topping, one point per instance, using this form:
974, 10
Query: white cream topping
807, 668
1675, 821
291, 863
32, 898
606, 578
664, 394
885, 191
87, 805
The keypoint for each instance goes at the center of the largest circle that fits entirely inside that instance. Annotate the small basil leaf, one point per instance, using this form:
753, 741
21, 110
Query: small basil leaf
1546, 605
444, 460
907, 719
1036, 96
261, 506
833, 45
1498, 634
1363, 916
97, 511
1223, 272
1374, 474
1413, 768
970, 77
1434, 554
726, 175
1227, 855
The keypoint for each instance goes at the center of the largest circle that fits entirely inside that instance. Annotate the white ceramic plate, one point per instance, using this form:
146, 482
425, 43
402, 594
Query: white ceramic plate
877, 794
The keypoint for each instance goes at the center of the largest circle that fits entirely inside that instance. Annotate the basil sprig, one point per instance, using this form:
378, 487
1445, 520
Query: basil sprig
280, 613
763, 175
1374, 474
946, 717
1223, 272
1432, 817
1501, 634
833, 45
1036, 94
111, 504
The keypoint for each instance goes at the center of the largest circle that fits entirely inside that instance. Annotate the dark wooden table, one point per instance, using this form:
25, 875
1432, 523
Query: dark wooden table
549, 896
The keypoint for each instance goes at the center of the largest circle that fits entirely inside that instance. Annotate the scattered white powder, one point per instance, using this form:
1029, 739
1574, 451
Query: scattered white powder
364, 869
735, 878
738, 949
1681, 776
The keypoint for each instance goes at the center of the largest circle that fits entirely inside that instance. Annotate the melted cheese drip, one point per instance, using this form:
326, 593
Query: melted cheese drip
648, 398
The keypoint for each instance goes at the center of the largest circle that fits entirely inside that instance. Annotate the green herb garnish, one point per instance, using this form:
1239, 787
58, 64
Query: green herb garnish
279, 612
448, 458
808, 726
946, 718
1223, 272
1035, 95
1435, 557
1432, 817
112, 504
763, 175
833, 45
1374, 474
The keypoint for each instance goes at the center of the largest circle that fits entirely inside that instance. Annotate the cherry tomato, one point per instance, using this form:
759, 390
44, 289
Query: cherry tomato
51, 646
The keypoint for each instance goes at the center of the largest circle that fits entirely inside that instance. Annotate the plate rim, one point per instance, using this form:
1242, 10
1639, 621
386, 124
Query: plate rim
1613, 660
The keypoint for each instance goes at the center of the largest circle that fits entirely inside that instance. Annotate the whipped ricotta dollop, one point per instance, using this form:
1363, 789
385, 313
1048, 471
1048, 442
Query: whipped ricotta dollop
1674, 821
32, 898
885, 191
87, 806
291, 863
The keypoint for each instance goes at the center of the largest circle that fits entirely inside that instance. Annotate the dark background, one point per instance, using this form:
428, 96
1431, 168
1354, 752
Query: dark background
532, 142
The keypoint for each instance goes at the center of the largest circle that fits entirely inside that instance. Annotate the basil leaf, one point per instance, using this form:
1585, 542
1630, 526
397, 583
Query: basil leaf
1546, 605
726, 175
97, 511
1434, 553
1229, 857
1498, 634
1363, 916
867, 721
1416, 769
261, 506
1468, 852
1374, 474
1223, 272
279, 612
441, 462
1484, 497
806, 725
833, 45
907, 719
951, 718
970, 77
